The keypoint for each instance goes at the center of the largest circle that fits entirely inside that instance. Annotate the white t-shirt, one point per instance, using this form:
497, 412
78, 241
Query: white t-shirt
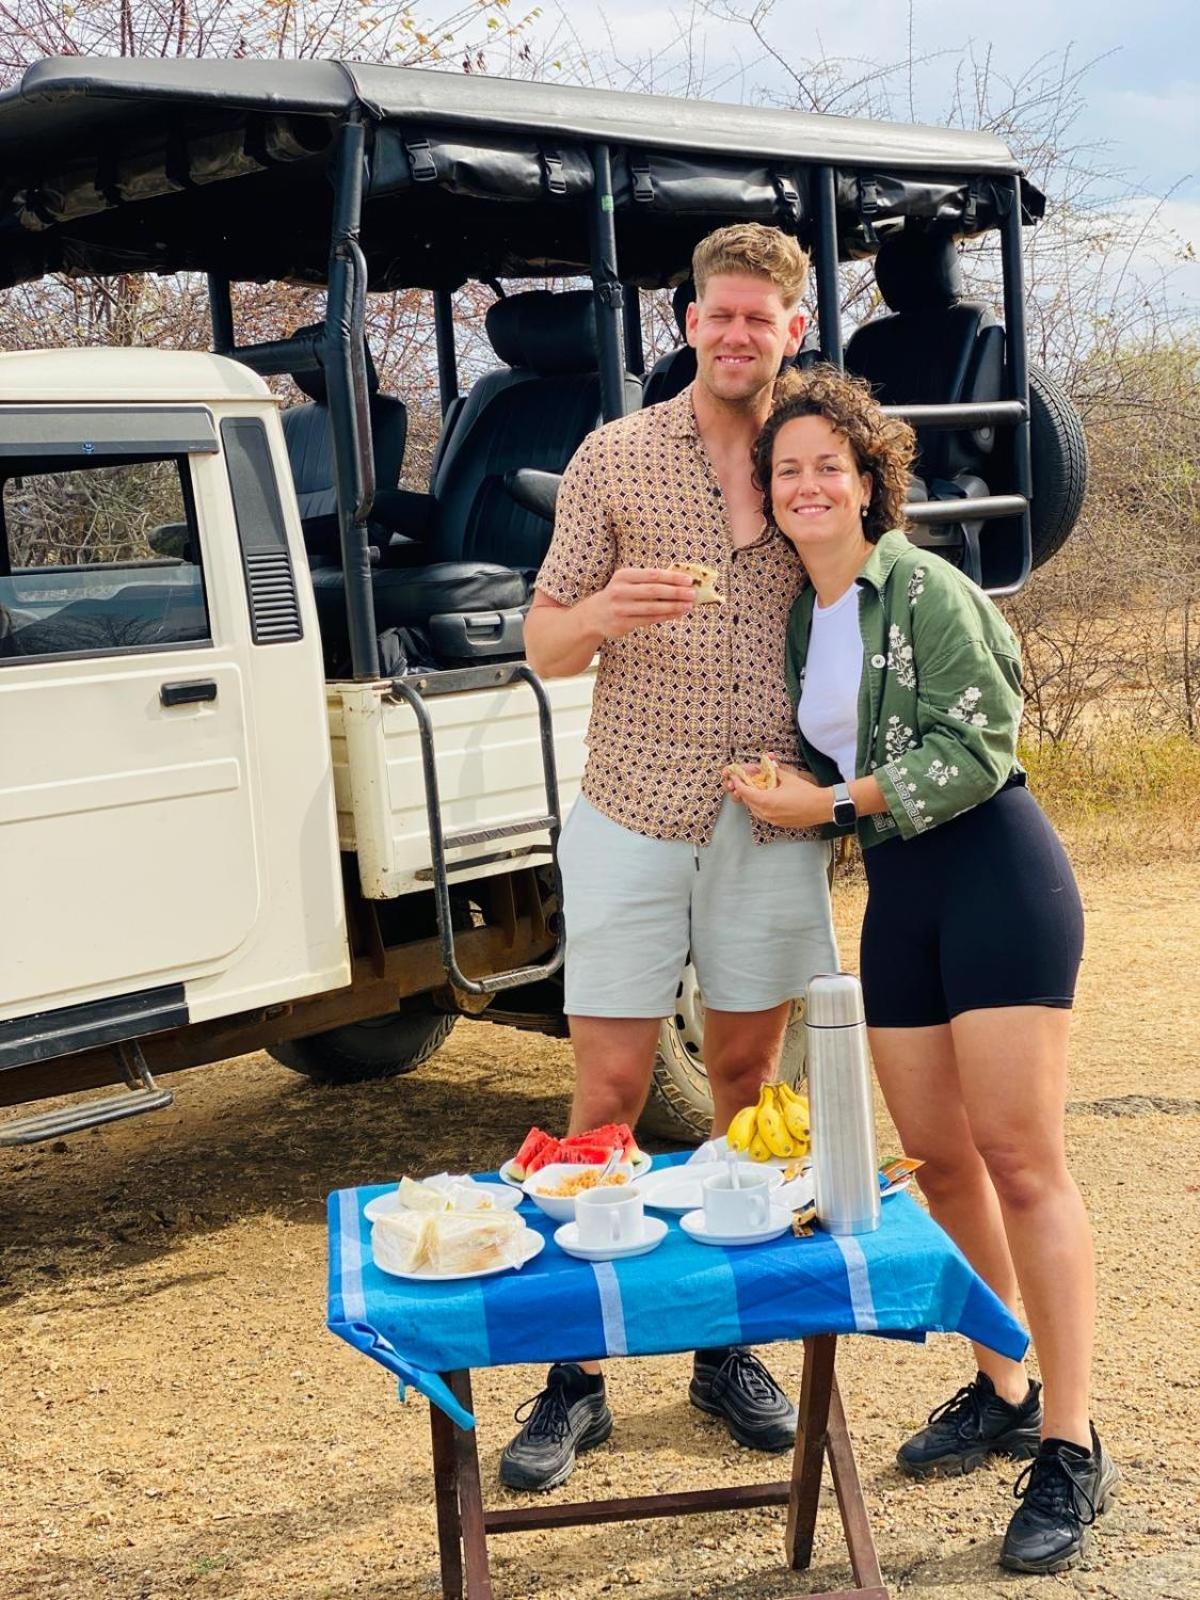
828, 711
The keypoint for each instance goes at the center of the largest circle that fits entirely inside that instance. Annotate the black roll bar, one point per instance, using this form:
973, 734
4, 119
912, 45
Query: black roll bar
1017, 366
447, 357
349, 405
220, 310
829, 306
606, 285
635, 354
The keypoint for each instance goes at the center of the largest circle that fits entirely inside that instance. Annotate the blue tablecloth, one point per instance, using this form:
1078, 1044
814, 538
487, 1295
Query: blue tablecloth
905, 1280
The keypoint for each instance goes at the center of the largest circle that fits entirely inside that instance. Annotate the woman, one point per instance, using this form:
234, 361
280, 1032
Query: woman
908, 689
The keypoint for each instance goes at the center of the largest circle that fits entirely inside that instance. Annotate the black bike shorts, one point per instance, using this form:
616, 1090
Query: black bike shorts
981, 911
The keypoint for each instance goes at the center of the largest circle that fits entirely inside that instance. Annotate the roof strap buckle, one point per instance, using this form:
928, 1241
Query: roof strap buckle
610, 293
787, 196
643, 183
420, 159
552, 163
970, 207
868, 208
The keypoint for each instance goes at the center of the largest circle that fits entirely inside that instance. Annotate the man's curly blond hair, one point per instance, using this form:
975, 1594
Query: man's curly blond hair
750, 249
881, 445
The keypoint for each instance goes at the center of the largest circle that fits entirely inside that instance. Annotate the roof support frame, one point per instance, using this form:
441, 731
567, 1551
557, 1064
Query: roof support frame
829, 300
606, 285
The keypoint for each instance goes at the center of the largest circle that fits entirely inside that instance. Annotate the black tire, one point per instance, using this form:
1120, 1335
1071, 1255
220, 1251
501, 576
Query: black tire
1059, 464
362, 1052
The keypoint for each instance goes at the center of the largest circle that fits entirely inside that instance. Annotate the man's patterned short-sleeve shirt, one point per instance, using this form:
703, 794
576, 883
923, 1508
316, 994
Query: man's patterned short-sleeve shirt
674, 702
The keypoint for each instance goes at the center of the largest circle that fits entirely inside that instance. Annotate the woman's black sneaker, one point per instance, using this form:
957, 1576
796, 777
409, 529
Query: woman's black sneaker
975, 1424
1062, 1491
569, 1415
735, 1385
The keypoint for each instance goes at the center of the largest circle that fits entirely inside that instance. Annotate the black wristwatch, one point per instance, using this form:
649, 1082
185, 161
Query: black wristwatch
845, 812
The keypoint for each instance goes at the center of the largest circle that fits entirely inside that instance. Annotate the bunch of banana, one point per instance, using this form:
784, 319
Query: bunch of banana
776, 1126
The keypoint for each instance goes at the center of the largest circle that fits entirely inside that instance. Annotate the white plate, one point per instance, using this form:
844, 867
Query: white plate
567, 1239
532, 1242
695, 1226
641, 1163
680, 1189
718, 1149
386, 1205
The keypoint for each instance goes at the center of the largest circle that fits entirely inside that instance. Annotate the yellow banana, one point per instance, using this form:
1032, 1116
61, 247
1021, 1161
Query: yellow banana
758, 1150
772, 1128
741, 1129
795, 1116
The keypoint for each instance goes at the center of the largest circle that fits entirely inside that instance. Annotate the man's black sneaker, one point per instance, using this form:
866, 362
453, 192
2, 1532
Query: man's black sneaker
1062, 1491
735, 1385
569, 1415
975, 1424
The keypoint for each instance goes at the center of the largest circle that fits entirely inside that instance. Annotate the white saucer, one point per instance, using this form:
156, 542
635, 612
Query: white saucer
681, 1188
695, 1226
640, 1163
532, 1244
386, 1205
567, 1240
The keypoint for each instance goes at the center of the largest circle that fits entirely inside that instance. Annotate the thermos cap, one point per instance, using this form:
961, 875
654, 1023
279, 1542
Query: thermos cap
834, 1001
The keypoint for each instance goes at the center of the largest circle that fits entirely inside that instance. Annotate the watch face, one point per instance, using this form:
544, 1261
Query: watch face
844, 813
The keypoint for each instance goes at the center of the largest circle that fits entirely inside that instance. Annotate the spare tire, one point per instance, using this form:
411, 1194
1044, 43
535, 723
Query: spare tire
1058, 464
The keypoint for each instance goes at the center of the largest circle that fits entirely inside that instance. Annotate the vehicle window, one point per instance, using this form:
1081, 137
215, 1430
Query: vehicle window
101, 559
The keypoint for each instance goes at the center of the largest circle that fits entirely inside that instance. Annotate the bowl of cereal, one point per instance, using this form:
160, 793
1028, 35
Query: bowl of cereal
553, 1189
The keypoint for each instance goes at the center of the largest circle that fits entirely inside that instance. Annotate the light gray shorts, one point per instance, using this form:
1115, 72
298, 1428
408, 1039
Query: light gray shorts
756, 919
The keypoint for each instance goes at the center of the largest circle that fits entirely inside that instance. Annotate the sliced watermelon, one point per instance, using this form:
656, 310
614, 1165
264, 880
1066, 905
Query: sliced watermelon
544, 1156
614, 1133
535, 1140
580, 1150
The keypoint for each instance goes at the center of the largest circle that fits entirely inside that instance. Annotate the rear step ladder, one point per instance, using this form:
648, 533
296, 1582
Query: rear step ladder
415, 692
144, 1095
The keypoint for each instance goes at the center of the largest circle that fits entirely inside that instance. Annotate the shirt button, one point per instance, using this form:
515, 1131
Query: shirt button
737, 619
879, 661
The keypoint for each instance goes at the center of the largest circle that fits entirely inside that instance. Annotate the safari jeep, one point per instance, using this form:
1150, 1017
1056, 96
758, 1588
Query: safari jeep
273, 770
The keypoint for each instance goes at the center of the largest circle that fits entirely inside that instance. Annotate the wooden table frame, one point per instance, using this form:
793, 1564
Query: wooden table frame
464, 1525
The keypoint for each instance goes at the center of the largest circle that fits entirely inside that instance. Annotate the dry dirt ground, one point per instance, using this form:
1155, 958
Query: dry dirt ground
176, 1420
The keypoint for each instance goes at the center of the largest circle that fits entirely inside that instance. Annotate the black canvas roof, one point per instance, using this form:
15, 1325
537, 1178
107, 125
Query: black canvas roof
110, 164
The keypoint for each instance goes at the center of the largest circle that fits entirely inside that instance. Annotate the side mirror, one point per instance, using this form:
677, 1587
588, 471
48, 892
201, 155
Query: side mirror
534, 491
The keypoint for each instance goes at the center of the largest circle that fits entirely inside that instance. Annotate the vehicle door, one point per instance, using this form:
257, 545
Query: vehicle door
128, 862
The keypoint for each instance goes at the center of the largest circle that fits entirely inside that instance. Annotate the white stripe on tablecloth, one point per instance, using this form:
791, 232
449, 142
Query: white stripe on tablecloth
859, 1280
612, 1313
353, 1300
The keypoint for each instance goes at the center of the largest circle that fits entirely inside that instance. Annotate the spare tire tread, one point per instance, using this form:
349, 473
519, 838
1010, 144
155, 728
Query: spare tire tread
1059, 463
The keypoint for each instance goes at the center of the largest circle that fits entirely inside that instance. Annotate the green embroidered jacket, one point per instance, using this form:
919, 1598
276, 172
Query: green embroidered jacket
939, 702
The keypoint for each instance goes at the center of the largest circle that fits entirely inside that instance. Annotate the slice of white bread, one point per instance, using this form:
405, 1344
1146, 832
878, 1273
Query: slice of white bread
443, 1242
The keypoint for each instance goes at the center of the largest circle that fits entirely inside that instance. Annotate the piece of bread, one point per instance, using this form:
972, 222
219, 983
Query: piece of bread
767, 776
444, 1242
705, 581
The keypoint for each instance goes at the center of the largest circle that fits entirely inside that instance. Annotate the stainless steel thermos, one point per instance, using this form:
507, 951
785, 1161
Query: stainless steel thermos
845, 1164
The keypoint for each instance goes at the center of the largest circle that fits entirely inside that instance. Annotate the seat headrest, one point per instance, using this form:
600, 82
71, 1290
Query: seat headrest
549, 333
313, 383
681, 299
917, 272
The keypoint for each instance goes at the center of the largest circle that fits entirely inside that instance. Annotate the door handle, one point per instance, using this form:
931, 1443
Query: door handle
183, 694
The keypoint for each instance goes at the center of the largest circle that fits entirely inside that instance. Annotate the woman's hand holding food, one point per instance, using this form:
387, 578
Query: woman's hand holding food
796, 801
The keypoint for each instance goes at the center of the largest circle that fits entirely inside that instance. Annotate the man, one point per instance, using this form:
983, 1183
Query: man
656, 858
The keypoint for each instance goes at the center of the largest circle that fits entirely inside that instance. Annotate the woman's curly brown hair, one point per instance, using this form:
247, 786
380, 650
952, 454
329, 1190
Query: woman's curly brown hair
882, 445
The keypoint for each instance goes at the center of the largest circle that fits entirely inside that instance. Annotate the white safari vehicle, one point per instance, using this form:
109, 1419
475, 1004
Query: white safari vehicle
273, 770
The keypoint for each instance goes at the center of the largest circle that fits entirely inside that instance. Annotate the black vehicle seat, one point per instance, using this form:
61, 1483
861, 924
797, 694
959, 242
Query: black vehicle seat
934, 348
481, 550
671, 374
308, 430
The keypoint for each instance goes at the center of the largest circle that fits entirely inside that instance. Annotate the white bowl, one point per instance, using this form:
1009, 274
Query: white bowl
562, 1207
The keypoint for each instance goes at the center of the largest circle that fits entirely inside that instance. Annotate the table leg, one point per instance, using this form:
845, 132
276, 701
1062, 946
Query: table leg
470, 1495
864, 1558
445, 1489
808, 1461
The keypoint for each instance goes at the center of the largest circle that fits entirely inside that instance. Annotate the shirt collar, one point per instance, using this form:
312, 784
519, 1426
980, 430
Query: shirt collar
681, 415
888, 550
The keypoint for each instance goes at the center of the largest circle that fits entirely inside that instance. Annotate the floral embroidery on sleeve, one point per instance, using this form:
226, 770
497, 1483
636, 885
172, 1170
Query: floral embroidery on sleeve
941, 772
916, 584
965, 709
897, 738
900, 658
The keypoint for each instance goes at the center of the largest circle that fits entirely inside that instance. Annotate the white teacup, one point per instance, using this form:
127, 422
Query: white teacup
730, 1210
607, 1219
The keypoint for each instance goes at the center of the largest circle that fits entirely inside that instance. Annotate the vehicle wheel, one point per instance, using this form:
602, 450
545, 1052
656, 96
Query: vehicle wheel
382, 1047
1059, 464
680, 1103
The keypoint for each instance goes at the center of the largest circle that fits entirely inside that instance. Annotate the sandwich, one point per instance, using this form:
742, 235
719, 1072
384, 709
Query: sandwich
766, 777
704, 580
